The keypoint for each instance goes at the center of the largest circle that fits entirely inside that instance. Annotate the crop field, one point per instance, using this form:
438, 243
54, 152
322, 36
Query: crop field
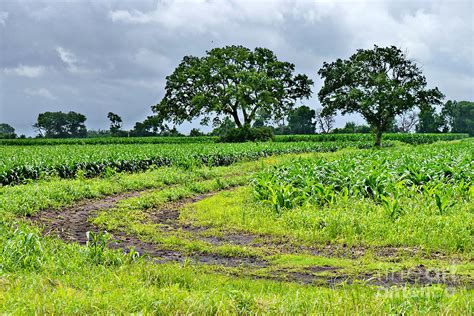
295, 226
418, 138
33, 162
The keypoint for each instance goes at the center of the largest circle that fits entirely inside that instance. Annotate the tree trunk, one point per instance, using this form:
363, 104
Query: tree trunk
235, 115
378, 138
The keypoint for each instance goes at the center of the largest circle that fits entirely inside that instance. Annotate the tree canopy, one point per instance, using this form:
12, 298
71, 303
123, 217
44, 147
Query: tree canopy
351, 128
378, 83
7, 131
429, 121
301, 121
234, 82
61, 125
454, 117
458, 117
115, 123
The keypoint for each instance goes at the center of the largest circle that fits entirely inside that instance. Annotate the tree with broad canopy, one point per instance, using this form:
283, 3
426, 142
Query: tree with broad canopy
234, 82
378, 83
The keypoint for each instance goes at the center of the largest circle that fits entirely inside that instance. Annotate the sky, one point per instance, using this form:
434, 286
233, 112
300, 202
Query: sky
98, 56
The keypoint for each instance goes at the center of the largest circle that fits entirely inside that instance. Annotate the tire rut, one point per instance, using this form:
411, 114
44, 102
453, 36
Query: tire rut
72, 223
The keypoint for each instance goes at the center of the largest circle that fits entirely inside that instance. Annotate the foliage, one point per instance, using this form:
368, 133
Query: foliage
301, 120
429, 121
343, 240
234, 82
378, 83
7, 131
222, 127
419, 138
61, 125
151, 126
195, 132
247, 134
90, 134
66, 161
97, 252
458, 117
107, 140
353, 128
115, 123
22, 251
372, 174
173, 132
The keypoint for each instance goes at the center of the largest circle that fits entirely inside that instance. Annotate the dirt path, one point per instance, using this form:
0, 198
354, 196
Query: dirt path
72, 223
168, 219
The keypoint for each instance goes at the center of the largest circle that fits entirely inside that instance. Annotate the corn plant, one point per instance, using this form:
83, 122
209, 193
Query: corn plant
381, 176
20, 163
22, 250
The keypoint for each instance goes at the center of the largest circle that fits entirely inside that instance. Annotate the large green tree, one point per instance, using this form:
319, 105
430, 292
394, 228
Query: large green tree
301, 121
234, 82
378, 83
59, 124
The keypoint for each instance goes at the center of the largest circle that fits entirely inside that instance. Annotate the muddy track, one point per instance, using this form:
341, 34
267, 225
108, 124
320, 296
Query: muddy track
330, 276
167, 219
72, 223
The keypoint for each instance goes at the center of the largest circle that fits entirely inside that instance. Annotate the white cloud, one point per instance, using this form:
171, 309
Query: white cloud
202, 15
41, 92
74, 65
68, 58
26, 71
3, 17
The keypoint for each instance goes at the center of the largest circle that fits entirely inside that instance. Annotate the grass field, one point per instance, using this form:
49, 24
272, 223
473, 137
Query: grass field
286, 227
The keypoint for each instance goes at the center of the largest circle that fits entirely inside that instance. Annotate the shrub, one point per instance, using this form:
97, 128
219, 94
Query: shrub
246, 134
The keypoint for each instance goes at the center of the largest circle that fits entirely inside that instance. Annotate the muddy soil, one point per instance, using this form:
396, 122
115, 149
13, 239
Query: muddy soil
331, 276
72, 223
168, 220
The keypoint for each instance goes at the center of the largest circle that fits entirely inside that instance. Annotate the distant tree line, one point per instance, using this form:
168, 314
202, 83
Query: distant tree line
234, 87
453, 117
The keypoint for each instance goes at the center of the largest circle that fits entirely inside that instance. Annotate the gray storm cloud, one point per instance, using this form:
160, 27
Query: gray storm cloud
101, 56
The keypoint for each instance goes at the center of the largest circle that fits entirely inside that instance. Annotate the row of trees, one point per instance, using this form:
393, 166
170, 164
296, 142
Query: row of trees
454, 116
379, 84
252, 88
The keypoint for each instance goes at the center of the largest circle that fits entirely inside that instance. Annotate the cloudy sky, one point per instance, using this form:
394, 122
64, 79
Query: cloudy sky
99, 56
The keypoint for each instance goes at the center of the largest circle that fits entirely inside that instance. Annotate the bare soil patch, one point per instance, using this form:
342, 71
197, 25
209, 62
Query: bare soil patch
72, 223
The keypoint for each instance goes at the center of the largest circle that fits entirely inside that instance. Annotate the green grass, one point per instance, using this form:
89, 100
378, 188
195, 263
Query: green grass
170, 289
43, 274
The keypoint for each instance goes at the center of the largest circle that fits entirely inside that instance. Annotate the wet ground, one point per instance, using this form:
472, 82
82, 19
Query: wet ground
72, 223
